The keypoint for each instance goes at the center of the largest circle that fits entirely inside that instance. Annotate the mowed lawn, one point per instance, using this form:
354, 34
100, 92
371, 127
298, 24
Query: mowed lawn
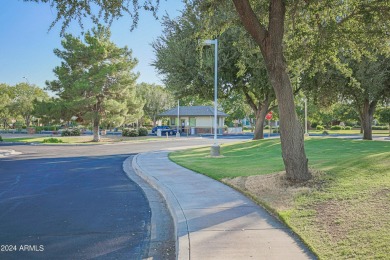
343, 214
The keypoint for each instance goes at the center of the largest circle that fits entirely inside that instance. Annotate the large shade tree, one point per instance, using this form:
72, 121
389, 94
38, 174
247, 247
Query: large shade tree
22, 97
156, 100
4, 104
188, 68
95, 80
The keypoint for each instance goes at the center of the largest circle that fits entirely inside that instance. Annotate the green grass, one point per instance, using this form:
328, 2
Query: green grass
350, 132
347, 217
85, 139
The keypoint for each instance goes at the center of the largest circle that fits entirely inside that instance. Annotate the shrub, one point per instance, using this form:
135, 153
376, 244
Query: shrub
348, 128
49, 128
143, 131
266, 127
325, 133
1, 138
336, 127
319, 127
73, 132
378, 127
275, 131
66, 133
314, 125
129, 132
38, 129
52, 140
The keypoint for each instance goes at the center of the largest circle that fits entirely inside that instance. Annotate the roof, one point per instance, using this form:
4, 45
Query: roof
193, 111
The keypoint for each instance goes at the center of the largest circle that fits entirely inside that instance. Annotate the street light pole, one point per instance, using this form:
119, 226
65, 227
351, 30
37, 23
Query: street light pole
215, 149
27, 80
306, 133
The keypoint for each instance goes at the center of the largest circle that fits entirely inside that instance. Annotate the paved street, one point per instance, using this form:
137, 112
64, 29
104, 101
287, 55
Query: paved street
75, 202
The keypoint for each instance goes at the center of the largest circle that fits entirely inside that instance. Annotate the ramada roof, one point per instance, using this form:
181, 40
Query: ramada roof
193, 111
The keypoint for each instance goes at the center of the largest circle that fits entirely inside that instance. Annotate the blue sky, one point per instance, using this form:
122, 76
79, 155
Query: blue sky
26, 45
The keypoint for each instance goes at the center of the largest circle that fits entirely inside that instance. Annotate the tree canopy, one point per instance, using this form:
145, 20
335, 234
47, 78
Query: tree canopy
95, 80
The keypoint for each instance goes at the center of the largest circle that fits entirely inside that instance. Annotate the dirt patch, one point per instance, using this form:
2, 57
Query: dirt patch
275, 189
341, 219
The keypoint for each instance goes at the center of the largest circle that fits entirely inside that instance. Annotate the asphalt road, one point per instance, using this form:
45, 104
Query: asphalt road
75, 202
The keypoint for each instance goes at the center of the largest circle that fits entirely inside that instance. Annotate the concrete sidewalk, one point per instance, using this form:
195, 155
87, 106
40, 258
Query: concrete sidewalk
213, 221
4, 153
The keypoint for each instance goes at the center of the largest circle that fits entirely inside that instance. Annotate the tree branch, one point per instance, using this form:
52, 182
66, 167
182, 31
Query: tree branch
250, 22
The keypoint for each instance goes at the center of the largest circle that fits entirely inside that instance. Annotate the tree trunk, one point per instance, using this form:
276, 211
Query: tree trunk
367, 117
96, 134
260, 118
27, 119
271, 44
291, 132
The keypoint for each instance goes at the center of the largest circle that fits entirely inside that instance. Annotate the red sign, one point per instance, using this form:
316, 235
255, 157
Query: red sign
269, 116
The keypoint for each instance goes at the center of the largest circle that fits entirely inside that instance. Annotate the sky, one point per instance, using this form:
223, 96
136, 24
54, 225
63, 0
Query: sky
26, 44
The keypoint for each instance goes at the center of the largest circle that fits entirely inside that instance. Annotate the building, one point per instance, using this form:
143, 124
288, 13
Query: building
195, 119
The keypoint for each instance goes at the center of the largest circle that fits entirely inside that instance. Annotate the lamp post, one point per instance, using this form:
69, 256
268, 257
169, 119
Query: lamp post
178, 119
28, 83
305, 100
215, 149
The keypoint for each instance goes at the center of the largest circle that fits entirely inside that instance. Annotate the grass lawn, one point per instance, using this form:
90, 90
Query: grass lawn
350, 132
83, 139
343, 213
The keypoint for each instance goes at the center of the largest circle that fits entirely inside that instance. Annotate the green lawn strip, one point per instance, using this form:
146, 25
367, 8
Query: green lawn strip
346, 217
84, 139
350, 132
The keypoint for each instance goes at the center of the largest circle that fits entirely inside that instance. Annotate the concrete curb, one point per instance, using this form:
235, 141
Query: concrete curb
181, 230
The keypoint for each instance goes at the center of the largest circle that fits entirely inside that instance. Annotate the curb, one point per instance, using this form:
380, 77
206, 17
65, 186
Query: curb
179, 220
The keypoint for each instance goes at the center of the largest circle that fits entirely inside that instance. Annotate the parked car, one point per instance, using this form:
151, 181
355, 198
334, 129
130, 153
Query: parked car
164, 130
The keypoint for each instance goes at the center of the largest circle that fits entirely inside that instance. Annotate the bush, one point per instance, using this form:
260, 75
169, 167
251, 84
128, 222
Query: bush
49, 128
319, 127
275, 131
130, 132
52, 140
38, 129
1, 138
73, 132
325, 133
348, 128
314, 125
143, 131
336, 127
378, 127
266, 127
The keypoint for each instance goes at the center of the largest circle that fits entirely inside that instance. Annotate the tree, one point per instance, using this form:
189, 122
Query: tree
95, 79
335, 22
362, 84
188, 67
5, 101
23, 96
384, 116
369, 84
156, 98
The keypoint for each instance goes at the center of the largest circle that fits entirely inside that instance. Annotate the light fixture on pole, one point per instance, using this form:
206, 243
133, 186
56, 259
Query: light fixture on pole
215, 149
178, 119
305, 100
27, 80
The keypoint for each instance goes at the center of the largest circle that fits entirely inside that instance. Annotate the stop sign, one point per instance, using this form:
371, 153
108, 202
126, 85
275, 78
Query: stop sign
269, 116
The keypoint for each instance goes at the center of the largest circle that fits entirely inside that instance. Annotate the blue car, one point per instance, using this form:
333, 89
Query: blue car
164, 129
